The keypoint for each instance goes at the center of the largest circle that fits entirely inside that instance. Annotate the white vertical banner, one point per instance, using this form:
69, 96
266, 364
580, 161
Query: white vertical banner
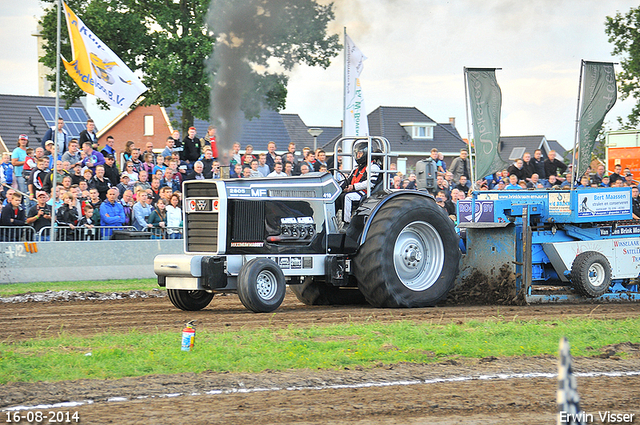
355, 115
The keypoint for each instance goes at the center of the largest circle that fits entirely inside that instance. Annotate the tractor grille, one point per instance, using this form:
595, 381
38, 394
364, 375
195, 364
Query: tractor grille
202, 232
201, 228
248, 221
200, 190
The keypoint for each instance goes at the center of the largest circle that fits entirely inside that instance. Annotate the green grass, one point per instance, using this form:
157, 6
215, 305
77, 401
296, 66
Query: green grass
336, 346
80, 286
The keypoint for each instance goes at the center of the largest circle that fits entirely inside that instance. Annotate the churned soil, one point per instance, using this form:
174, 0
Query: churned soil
468, 391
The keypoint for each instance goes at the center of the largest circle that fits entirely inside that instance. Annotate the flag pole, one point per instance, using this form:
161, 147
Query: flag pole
466, 108
575, 136
55, 123
344, 83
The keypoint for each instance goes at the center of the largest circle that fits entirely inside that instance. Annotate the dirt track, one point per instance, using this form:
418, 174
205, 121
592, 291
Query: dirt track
530, 400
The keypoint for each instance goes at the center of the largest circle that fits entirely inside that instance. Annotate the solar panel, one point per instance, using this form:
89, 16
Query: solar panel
75, 119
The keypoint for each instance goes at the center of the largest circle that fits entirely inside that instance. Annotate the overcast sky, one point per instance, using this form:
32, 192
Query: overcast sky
416, 52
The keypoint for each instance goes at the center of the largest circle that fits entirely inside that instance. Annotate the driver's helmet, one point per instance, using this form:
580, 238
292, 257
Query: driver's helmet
363, 146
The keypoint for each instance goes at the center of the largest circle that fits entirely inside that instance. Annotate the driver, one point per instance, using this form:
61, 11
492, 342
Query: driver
356, 183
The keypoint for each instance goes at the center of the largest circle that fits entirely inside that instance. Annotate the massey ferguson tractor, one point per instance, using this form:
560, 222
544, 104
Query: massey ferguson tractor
255, 236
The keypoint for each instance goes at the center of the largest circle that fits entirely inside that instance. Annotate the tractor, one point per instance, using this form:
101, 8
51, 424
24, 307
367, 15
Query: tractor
255, 236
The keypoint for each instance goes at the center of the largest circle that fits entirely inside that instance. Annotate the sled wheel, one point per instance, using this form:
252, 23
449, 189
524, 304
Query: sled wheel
314, 291
591, 274
261, 285
410, 256
189, 300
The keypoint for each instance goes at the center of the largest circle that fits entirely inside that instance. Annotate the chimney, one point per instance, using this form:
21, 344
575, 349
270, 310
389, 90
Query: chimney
452, 121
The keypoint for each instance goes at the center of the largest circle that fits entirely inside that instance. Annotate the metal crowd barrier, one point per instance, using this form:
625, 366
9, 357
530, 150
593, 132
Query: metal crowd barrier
66, 233
17, 233
165, 233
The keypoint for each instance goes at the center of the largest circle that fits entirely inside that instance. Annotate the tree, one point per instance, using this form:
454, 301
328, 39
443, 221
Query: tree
170, 42
624, 32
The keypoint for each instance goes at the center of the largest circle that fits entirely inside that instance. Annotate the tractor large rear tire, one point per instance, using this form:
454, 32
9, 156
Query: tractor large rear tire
314, 291
591, 274
410, 255
189, 300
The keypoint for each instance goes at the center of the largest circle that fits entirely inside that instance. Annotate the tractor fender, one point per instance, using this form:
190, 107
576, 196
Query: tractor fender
373, 204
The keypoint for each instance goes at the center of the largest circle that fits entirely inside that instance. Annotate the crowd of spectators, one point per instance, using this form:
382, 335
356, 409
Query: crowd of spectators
141, 188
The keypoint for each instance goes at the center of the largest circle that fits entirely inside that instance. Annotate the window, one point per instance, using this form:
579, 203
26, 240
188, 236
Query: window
419, 130
148, 125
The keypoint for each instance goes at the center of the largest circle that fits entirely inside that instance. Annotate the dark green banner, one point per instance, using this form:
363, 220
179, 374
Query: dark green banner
599, 94
485, 100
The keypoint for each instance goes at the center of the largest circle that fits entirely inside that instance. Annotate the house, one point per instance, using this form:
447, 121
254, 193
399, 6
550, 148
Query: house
33, 115
513, 147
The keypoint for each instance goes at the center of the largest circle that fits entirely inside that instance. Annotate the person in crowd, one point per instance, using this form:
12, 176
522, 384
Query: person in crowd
148, 148
143, 182
131, 172
127, 203
513, 183
13, 215
248, 156
321, 159
207, 162
584, 182
463, 184
288, 168
599, 174
310, 160
210, 141
191, 147
39, 177
236, 158
76, 174
127, 153
538, 164
535, 182
271, 155
304, 168
148, 163
108, 147
100, 182
253, 169
528, 167
160, 165
460, 166
135, 159
111, 213
277, 171
552, 165
92, 157
141, 212
628, 177
31, 161
63, 136
18, 158
86, 224
6, 171
111, 170
39, 215
635, 202
158, 219
177, 141
155, 189
293, 159
411, 183
215, 170
517, 168
125, 183
170, 180
197, 173
435, 157
263, 167
235, 171
89, 134
174, 218
616, 175
67, 215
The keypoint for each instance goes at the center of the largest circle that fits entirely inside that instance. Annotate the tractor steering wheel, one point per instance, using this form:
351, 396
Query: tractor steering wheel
344, 182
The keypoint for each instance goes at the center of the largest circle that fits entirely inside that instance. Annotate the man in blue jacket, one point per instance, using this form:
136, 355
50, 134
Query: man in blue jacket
111, 213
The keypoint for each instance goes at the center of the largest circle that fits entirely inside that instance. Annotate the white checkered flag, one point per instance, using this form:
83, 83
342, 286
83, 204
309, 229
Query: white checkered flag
567, 398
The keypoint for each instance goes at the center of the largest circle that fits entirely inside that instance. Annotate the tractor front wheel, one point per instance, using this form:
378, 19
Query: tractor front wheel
591, 274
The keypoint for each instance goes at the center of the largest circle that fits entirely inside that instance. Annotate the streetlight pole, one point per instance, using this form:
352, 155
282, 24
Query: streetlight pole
315, 132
